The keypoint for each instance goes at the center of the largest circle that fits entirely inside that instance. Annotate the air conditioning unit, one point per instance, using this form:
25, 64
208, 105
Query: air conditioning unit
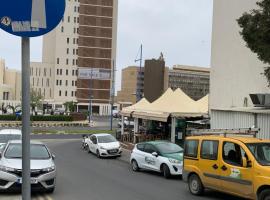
260, 100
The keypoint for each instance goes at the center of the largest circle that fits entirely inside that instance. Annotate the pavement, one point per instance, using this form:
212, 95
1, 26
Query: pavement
82, 176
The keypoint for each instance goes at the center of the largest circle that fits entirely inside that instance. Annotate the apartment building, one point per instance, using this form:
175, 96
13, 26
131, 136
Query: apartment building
194, 81
85, 38
10, 85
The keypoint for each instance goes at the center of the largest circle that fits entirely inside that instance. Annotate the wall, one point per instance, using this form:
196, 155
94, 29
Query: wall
235, 70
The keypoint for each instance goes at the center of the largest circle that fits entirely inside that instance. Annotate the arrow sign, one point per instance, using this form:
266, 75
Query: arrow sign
30, 18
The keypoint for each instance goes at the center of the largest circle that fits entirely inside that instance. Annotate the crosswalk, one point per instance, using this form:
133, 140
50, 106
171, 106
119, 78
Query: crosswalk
18, 197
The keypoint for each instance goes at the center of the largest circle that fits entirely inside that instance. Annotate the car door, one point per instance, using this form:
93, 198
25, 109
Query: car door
139, 155
209, 163
91, 143
151, 162
235, 178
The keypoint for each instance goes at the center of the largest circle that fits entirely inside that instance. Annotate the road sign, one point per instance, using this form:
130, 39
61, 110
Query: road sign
30, 18
94, 73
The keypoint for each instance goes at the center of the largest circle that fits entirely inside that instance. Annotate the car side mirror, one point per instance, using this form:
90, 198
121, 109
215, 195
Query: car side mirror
244, 162
53, 156
155, 154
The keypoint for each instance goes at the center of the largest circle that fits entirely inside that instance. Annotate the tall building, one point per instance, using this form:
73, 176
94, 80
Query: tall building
10, 85
236, 72
155, 82
131, 82
86, 38
194, 81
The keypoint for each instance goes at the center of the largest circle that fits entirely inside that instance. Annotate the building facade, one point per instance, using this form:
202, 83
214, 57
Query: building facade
10, 85
194, 81
236, 72
85, 38
132, 81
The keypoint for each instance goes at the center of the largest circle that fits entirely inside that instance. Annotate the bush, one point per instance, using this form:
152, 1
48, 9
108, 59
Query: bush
60, 118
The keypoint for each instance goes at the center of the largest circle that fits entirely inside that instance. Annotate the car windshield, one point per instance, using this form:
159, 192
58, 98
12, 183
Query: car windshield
168, 148
106, 139
4, 138
37, 151
261, 151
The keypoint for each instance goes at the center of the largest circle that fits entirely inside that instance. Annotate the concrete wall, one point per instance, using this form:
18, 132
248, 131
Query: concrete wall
235, 70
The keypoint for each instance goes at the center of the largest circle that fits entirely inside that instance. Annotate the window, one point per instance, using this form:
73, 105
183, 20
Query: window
60, 82
74, 40
74, 30
66, 93
45, 72
232, 153
72, 72
67, 50
67, 40
75, 19
60, 93
73, 51
68, 18
149, 148
62, 29
60, 71
140, 147
73, 62
66, 82
67, 61
78, 19
191, 148
66, 71
209, 150
57, 71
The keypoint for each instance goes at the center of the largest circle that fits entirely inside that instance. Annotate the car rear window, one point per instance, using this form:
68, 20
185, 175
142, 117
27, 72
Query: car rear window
191, 148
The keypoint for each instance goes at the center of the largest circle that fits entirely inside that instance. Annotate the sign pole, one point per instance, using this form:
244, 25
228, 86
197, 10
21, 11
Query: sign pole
112, 95
90, 98
26, 185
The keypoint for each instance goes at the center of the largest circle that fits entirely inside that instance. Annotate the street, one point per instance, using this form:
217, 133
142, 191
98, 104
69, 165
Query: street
83, 176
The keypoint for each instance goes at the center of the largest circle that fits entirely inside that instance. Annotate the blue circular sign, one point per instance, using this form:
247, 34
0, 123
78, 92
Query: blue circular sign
30, 18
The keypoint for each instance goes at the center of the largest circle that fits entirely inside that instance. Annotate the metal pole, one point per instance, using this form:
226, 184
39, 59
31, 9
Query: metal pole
112, 94
26, 185
90, 98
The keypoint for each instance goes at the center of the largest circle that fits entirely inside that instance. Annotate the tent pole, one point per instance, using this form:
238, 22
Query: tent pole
173, 130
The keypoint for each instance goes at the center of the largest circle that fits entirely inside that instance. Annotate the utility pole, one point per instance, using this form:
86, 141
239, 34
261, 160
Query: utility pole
112, 94
90, 98
138, 92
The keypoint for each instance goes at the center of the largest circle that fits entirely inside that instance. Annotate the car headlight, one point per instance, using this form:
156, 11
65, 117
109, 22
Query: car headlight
103, 148
49, 169
173, 161
6, 169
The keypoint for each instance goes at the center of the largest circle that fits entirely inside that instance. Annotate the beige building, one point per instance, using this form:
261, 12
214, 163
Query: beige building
236, 72
130, 81
85, 38
194, 81
10, 85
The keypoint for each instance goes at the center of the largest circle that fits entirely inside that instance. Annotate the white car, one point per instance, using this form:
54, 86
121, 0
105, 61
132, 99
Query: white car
43, 171
103, 145
159, 156
9, 134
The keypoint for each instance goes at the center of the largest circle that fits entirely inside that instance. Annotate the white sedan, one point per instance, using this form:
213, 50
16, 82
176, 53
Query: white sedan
103, 145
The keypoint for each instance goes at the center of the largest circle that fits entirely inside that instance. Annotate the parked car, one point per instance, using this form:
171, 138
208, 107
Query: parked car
103, 145
9, 134
236, 165
160, 156
127, 123
43, 171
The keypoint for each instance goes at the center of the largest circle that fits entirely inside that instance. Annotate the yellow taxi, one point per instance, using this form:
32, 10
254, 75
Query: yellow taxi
236, 165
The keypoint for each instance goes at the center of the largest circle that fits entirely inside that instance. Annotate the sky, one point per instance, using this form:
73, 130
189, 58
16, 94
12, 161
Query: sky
180, 29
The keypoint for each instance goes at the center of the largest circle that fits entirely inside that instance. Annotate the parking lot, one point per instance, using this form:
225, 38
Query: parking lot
84, 176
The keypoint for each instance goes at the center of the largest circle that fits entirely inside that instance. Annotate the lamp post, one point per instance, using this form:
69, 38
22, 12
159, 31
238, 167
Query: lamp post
138, 92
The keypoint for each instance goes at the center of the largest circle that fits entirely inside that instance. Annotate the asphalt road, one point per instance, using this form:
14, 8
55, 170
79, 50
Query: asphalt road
82, 176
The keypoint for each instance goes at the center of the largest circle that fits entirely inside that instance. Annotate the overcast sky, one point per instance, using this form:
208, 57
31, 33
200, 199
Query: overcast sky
181, 29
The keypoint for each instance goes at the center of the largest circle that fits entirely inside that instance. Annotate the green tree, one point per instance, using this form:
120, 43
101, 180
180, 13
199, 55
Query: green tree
36, 100
256, 32
70, 106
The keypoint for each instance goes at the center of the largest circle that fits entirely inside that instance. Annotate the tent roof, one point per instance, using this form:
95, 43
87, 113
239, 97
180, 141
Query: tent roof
141, 105
203, 104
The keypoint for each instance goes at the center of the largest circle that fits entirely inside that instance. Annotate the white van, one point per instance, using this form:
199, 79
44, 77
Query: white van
9, 134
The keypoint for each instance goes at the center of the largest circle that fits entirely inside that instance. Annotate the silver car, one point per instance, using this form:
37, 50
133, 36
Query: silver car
9, 134
43, 170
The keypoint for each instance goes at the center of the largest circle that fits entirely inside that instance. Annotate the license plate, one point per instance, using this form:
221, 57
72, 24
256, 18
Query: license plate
32, 181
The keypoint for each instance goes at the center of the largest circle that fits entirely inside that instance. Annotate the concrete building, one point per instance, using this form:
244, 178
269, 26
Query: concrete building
131, 80
86, 38
194, 81
155, 81
10, 85
236, 72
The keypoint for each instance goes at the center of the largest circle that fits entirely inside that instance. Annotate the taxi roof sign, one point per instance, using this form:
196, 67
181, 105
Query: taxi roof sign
30, 18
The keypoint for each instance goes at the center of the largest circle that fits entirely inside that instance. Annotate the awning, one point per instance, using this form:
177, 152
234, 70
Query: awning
161, 117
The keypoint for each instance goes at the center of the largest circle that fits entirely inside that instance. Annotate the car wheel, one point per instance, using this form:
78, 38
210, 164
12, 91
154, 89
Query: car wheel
51, 190
264, 195
195, 185
166, 171
135, 166
98, 154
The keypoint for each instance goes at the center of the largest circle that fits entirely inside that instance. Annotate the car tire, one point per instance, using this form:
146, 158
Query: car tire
51, 190
195, 185
98, 154
135, 166
264, 195
166, 171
